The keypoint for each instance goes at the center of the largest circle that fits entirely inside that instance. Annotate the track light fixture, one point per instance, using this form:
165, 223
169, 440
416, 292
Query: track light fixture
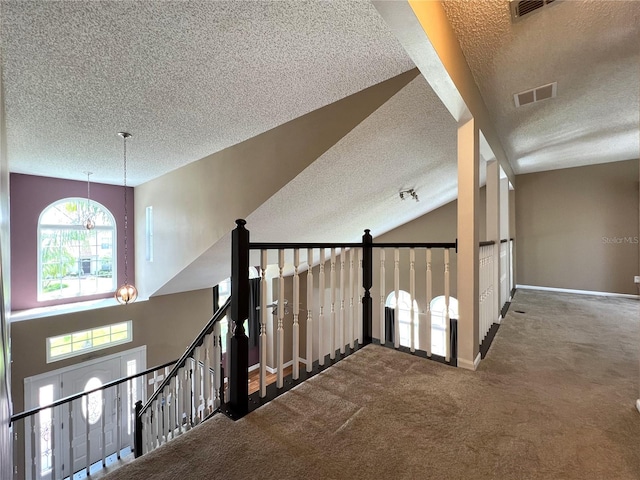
409, 193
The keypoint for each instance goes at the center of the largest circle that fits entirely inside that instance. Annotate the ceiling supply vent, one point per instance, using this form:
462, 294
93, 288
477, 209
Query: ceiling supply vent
536, 94
520, 8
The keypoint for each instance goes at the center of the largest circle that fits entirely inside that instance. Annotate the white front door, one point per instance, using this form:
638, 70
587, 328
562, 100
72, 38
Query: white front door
71, 437
93, 419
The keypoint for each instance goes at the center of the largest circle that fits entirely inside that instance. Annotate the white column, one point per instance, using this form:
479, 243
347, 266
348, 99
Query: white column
504, 234
468, 239
493, 231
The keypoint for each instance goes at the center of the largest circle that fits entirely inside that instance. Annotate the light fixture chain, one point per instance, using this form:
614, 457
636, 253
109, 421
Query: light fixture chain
126, 219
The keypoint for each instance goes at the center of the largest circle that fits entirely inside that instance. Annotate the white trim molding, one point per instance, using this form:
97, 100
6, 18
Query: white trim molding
287, 364
462, 363
579, 292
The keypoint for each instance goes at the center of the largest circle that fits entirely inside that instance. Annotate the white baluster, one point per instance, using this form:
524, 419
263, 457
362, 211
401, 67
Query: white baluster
480, 296
34, 423
264, 314
180, 400
197, 383
360, 295
427, 327
296, 311
280, 331
332, 323
341, 317
218, 381
383, 326
321, 285
103, 439
227, 342
351, 316
412, 294
206, 372
52, 432
396, 289
164, 411
147, 431
310, 309
118, 420
186, 396
70, 429
85, 399
446, 306
175, 413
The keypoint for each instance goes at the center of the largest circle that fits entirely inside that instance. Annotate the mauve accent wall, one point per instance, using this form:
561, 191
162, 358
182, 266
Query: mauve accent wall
30, 195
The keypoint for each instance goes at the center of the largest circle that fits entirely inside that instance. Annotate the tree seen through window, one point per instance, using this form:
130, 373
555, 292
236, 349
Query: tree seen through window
72, 260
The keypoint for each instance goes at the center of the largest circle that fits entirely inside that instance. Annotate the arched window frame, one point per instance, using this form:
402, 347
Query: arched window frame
105, 222
438, 327
404, 302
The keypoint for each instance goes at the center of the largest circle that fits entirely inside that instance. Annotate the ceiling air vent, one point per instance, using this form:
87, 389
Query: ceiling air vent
536, 94
521, 8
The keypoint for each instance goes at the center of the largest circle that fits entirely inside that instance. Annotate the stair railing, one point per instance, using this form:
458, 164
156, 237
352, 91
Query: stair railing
44, 442
189, 393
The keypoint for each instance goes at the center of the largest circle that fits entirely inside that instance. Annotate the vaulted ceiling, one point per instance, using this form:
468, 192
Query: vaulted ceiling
191, 78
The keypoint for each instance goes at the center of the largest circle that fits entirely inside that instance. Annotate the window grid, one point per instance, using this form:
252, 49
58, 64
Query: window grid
78, 343
72, 260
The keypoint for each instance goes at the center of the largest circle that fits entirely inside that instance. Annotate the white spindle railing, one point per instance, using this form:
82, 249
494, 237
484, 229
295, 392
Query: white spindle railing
413, 273
504, 273
429, 297
329, 334
60, 439
486, 310
512, 280
383, 291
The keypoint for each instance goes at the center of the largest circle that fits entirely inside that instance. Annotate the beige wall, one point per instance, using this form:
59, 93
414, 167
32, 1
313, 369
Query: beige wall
578, 228
196, 205
165, 324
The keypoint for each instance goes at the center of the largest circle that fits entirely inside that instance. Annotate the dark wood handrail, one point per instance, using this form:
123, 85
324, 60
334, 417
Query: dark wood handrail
285, 246
415, 245
291, 245
487, 243
208, 328
70, 398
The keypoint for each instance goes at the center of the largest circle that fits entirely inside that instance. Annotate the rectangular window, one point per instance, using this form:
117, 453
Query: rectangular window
79, 343
149, 234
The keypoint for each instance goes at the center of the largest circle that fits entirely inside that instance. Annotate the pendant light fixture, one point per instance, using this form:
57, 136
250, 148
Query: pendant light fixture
89, 222
126, 293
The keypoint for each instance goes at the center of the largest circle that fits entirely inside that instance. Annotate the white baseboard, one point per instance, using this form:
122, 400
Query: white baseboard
287, 364
254, 367
579, 292
462, 363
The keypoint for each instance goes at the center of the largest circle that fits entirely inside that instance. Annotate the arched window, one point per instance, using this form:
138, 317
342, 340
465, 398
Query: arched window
438, 323
73, 261
404, 314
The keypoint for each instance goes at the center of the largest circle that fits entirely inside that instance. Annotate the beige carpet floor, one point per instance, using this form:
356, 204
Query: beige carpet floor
554, 399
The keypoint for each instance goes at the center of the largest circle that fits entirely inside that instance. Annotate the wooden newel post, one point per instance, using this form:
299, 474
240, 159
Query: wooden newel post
239, 354
137, 440
367, 282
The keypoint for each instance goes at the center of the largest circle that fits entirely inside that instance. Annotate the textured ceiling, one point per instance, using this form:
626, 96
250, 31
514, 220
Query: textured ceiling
191, 78
591, 48
409, 142
187, 79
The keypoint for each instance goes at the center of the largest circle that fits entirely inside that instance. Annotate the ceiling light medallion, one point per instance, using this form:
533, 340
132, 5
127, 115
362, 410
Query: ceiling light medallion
126, 293
89, 222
